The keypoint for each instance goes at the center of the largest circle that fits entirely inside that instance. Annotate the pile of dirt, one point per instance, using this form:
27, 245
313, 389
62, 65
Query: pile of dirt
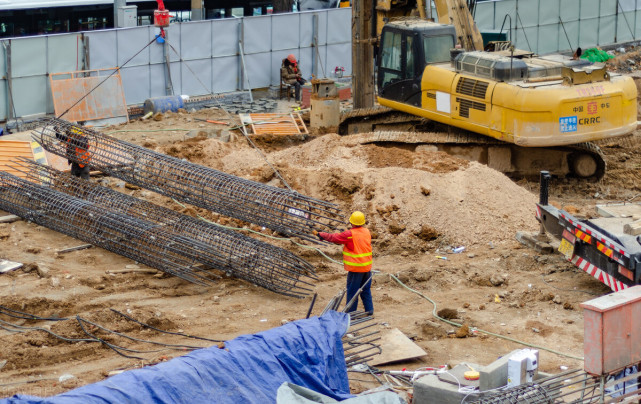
408, 196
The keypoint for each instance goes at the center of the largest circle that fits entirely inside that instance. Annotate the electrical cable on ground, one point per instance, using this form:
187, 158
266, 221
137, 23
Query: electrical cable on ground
28, 316
483, 331
163, 331
183, 347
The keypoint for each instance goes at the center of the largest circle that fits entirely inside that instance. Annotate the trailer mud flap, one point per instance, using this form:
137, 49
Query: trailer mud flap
567, 245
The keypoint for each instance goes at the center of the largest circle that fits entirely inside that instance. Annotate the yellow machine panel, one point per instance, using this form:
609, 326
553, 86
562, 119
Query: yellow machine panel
527, 114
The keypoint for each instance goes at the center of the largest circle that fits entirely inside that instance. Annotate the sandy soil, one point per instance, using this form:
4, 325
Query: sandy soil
419, 204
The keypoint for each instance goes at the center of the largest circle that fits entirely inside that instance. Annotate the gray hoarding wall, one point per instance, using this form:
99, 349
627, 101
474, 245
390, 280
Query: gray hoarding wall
197, 58
217, 56
26, 63
536, 24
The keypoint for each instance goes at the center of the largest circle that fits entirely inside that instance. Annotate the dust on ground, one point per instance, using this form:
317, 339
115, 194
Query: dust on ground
419, 205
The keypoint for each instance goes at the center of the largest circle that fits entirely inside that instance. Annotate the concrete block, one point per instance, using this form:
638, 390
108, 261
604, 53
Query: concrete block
495, 374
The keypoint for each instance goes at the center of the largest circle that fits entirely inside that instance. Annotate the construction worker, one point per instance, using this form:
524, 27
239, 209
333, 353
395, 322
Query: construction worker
290, 74
77, 151
357, 259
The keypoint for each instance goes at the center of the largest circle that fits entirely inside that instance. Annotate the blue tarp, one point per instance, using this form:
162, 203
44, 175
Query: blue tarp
250, 369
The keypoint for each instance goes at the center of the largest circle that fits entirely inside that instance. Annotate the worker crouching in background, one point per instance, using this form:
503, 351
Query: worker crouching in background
357, 259
290, 74
77, 151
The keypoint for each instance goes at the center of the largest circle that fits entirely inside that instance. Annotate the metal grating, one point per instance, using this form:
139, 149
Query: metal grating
274, 124
284, 211
243, 257
471, 87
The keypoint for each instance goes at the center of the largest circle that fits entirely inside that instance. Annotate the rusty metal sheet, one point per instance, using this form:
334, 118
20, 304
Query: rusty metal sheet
396, 347
102, 91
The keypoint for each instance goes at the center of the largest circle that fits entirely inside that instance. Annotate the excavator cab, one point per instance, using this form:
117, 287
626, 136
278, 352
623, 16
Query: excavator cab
406, 48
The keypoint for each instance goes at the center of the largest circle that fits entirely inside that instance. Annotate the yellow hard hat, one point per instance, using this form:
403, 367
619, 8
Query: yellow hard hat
357, 218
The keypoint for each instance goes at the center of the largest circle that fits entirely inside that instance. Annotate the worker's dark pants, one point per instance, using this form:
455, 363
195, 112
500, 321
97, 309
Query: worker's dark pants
297, 84
296, 90
77, 171
355, 280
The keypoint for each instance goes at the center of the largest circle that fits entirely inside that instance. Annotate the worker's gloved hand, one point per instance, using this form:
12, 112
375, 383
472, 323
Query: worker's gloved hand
317, 234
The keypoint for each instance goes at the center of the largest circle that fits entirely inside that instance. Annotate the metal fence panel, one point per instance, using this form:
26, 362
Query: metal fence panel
285, 38
258, 71
225, 74
65, 53
103, 49
338, 55
195, 43
607, 30
130, 41
30, 95
224, 37
136, 85
196, 76
502, 8
341, 28
307, 21
625, 27
257, 34
155, 81
29, 57
548, 39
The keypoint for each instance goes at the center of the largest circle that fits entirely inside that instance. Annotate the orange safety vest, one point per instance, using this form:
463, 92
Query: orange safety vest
359, 259
83, 156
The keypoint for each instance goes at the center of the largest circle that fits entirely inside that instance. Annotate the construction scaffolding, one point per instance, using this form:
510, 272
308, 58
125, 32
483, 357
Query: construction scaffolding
284, 211
163, 239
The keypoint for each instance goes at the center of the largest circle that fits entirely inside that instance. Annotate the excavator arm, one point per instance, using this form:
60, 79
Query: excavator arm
456, 13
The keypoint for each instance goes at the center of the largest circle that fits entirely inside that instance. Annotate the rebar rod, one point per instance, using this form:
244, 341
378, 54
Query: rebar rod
243, 257
358, 343
281, 210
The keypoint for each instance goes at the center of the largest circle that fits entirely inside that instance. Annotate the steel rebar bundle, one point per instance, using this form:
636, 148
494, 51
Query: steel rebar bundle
573, 386
144, 241
243, 257
359, 340
285, 211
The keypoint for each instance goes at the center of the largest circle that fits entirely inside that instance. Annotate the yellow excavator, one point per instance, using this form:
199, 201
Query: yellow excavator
519, 113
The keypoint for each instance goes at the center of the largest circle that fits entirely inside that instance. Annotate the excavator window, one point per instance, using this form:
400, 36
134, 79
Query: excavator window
409, 57
391, 57
437, 48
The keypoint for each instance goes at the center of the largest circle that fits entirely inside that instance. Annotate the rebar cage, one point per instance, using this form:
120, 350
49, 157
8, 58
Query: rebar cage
159, 237
281, 210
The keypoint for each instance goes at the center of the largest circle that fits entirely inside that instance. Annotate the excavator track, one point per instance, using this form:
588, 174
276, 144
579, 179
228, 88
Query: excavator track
363, 126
